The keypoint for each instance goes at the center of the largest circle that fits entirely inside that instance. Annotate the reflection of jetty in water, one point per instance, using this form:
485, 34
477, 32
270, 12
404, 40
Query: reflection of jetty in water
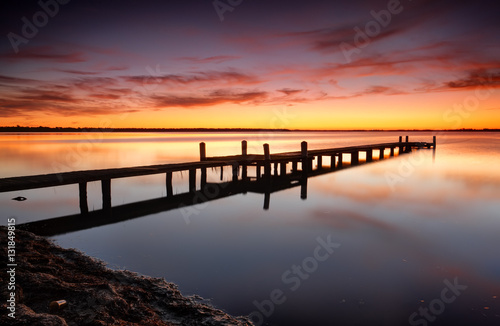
273, 172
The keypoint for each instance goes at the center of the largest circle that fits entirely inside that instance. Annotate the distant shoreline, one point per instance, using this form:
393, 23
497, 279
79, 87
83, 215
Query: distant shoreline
214, 130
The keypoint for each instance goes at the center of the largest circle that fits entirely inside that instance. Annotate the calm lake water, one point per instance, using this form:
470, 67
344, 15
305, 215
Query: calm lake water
409, 240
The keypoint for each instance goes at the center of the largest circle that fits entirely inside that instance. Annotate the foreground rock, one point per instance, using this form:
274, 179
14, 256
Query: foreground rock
95, 295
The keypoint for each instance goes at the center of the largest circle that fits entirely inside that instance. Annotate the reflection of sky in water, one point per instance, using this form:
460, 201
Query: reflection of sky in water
398, 244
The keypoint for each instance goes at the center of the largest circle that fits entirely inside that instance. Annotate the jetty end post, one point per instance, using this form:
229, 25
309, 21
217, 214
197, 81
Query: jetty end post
400, 139
303, 151
203, 152
434, 142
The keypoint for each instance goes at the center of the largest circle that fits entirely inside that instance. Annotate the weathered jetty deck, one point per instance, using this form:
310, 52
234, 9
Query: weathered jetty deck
273, 172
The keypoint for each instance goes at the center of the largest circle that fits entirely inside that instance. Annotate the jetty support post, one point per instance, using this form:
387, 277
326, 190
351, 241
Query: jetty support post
203, 180
320, 162
355, 158
392, 151
381, 155
203, 152
267, 200
283, 168
192, 180
170, 190
106, 194
267, 161
434, 142
400, 139
84, 207
340, 159
236, 170
244, 153
369, 155
303, 186
332, 162
305, 161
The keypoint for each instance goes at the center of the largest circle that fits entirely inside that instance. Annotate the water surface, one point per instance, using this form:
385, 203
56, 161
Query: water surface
401, 230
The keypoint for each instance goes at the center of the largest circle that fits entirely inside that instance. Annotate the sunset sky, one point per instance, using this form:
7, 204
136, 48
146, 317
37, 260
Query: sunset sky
250, 64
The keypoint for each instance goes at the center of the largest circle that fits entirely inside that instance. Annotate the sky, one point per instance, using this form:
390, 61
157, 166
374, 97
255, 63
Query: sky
409, 64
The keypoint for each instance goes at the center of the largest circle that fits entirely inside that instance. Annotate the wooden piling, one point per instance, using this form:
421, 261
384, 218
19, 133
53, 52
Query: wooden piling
434, 141
392, 151
267, 159
400, 139
407, 139
84, 207
305, 161
236, 170
192, 180
170, 190
381, 155
106, 193
303, 187
267, 200
203, 180
283, 169
332, 162
355, 158
340, 160
320, 162
369, 155
203, 152
244, 148
294, 166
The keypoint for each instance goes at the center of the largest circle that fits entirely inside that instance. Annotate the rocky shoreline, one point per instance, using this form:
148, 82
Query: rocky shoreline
93, 293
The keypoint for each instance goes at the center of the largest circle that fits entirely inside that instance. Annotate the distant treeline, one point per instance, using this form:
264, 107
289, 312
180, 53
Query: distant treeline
70, 129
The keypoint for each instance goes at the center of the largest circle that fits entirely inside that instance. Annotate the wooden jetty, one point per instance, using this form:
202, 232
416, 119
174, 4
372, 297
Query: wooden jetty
273, 172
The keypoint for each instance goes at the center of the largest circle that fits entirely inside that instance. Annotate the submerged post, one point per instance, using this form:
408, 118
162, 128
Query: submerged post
84, 207
203, 152
305, 161
106, 193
